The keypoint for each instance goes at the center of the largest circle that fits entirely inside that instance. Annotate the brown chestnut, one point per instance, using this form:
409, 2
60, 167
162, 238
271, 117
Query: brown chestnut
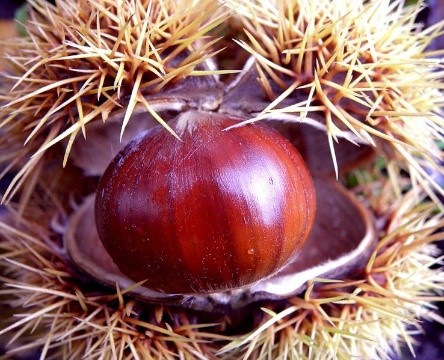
215, 211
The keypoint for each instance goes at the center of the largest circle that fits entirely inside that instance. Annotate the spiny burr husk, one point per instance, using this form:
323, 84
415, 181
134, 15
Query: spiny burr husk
363, 66
357, 70
83, 60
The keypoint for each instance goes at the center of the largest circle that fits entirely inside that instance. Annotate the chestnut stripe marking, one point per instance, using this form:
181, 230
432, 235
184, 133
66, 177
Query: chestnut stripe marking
281, 158
268, 235
202, 236
226, 174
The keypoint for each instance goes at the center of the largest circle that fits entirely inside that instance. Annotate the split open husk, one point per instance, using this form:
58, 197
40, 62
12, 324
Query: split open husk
340, 244
350, 297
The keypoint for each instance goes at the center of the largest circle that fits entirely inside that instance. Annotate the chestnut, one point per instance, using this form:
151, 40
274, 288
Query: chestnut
214, 211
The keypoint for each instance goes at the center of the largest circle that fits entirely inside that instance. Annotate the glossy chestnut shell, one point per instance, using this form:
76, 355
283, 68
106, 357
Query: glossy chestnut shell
215, 211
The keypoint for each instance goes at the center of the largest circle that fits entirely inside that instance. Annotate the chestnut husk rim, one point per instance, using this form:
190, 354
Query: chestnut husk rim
354, 237
338, 246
